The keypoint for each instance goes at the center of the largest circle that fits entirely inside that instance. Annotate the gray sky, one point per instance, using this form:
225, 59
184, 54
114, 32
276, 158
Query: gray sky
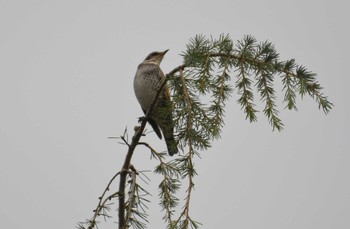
66, 73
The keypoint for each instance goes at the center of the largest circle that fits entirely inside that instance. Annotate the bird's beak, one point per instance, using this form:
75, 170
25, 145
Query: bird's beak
165, 52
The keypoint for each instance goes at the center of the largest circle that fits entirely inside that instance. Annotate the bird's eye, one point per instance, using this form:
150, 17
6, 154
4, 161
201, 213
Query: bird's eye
154, 54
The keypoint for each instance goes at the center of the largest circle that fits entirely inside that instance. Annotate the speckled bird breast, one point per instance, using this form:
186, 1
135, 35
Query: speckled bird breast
146, 83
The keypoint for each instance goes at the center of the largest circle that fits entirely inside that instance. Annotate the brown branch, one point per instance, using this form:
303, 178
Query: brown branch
126, 165
257, 62
231, 56
177, 69
147, 145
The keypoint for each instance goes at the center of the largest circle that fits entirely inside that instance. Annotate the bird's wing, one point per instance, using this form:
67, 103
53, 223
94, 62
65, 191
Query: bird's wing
154, 126
165, 94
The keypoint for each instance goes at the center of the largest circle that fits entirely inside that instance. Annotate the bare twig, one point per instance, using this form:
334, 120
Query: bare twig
102, 202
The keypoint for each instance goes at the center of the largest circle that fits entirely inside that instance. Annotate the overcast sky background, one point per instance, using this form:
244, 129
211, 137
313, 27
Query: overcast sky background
66, 74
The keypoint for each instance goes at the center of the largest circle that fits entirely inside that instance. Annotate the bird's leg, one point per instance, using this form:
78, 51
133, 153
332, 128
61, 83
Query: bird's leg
141, 119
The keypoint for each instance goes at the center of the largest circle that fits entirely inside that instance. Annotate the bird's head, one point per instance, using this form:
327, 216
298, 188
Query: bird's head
155, 57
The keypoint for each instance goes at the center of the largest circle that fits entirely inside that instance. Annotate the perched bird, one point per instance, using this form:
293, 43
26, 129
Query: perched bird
147, 81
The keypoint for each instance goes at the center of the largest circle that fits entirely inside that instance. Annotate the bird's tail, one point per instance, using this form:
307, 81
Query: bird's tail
171, 145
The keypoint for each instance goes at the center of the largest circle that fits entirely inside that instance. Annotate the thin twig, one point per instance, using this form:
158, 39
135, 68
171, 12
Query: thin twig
124, 140
175, 70
101, 203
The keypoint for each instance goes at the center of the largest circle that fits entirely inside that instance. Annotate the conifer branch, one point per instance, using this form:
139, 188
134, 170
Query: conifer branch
250, 58
208, 67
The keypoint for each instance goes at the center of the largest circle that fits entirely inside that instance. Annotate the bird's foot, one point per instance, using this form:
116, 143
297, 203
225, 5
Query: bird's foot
141, 119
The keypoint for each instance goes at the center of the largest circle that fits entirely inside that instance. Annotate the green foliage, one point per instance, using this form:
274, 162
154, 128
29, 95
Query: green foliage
214, 69
211, 64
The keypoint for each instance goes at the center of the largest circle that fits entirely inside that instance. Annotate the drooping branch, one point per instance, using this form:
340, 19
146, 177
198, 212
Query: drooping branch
262, 61
186, 161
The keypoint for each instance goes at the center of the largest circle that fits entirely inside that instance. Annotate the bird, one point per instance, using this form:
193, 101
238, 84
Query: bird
147, 82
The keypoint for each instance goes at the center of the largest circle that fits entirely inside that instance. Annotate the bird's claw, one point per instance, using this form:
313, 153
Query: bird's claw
141, 119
